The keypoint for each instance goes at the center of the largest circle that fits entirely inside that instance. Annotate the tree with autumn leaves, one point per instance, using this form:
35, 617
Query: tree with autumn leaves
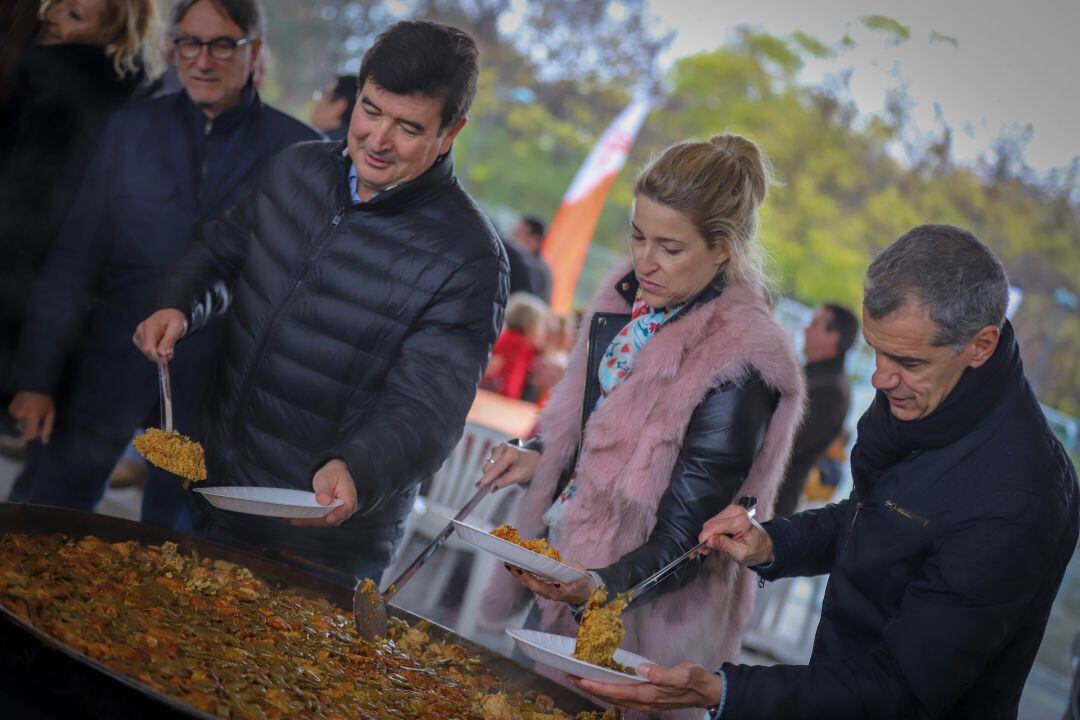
555, 72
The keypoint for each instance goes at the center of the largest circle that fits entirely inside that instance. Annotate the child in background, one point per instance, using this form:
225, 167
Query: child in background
563, 333
549, 368
523, 337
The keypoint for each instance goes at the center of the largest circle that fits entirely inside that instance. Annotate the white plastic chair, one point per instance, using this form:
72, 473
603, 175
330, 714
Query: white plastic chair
450, 488
785, 619
786, 614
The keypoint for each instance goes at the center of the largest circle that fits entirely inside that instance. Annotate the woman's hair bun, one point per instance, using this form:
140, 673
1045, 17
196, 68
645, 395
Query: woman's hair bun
754, 164
720, 184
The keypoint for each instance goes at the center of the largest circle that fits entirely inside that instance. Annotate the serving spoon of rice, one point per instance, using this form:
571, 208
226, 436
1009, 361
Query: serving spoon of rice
165, 447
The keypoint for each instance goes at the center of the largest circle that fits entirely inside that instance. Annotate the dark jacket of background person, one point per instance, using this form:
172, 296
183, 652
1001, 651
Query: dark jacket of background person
943, 572
358, 331
161, 170
528, 273
49, 130
19, 24
542, 277
828, 392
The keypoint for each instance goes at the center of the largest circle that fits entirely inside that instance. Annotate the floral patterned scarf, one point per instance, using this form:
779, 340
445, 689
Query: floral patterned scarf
619, 356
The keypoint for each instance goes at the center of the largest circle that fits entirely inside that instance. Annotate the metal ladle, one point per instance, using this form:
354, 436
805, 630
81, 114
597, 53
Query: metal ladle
165, 391
369, 606
747, 502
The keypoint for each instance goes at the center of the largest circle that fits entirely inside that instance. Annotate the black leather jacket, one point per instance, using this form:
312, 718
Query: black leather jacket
724, 435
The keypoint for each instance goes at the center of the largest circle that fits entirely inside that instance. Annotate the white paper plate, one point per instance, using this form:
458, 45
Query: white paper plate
272, 502
516, 555
555, 651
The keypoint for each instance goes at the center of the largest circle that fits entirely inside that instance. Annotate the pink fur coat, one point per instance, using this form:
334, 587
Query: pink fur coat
630, 447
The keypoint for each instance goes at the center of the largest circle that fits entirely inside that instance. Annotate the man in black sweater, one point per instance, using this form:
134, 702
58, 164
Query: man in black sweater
945, 560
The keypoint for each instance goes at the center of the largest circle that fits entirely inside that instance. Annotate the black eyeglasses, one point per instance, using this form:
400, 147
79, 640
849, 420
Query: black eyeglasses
221, 48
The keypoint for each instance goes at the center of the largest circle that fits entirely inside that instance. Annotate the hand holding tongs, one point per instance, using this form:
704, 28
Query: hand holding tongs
165, 392
749, 502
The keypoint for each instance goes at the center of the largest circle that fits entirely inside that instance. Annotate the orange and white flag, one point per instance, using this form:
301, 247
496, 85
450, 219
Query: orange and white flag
567, 241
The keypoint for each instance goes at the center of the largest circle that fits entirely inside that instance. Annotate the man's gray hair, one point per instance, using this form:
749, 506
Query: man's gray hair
959, 280
247, 14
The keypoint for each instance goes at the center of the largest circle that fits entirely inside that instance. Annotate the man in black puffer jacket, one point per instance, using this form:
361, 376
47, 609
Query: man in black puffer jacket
368, 289
945, 560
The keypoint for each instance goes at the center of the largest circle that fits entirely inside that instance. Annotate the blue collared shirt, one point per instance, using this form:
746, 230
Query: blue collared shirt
354, 180
716, 712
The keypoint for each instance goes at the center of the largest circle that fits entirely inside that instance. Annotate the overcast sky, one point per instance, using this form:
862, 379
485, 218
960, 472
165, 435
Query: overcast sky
1014, 63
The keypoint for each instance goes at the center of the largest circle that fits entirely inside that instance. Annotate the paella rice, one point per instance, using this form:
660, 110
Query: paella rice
174, 452
539, 545
214, 636
601, 631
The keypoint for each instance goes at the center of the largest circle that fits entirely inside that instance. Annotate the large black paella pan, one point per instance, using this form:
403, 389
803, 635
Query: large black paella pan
43, 677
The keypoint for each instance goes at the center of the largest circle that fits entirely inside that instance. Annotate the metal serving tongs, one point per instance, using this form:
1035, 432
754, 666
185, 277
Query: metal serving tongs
165, 391
748, 502
369, 607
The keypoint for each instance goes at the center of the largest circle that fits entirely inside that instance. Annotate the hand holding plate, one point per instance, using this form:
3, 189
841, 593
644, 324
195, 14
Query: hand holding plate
575, 593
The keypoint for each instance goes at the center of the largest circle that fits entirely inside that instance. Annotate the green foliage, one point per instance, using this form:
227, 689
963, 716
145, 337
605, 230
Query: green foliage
897, 32
811, 45
935, 36
773, 50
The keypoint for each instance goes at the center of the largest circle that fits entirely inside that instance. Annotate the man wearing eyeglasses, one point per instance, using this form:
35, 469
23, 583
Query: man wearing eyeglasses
162, 168
214, 71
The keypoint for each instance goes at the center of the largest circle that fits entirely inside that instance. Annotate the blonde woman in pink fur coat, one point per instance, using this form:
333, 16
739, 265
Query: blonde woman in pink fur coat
681, 395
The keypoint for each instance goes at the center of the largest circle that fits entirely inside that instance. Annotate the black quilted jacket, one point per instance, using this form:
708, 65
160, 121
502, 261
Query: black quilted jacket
357, 332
